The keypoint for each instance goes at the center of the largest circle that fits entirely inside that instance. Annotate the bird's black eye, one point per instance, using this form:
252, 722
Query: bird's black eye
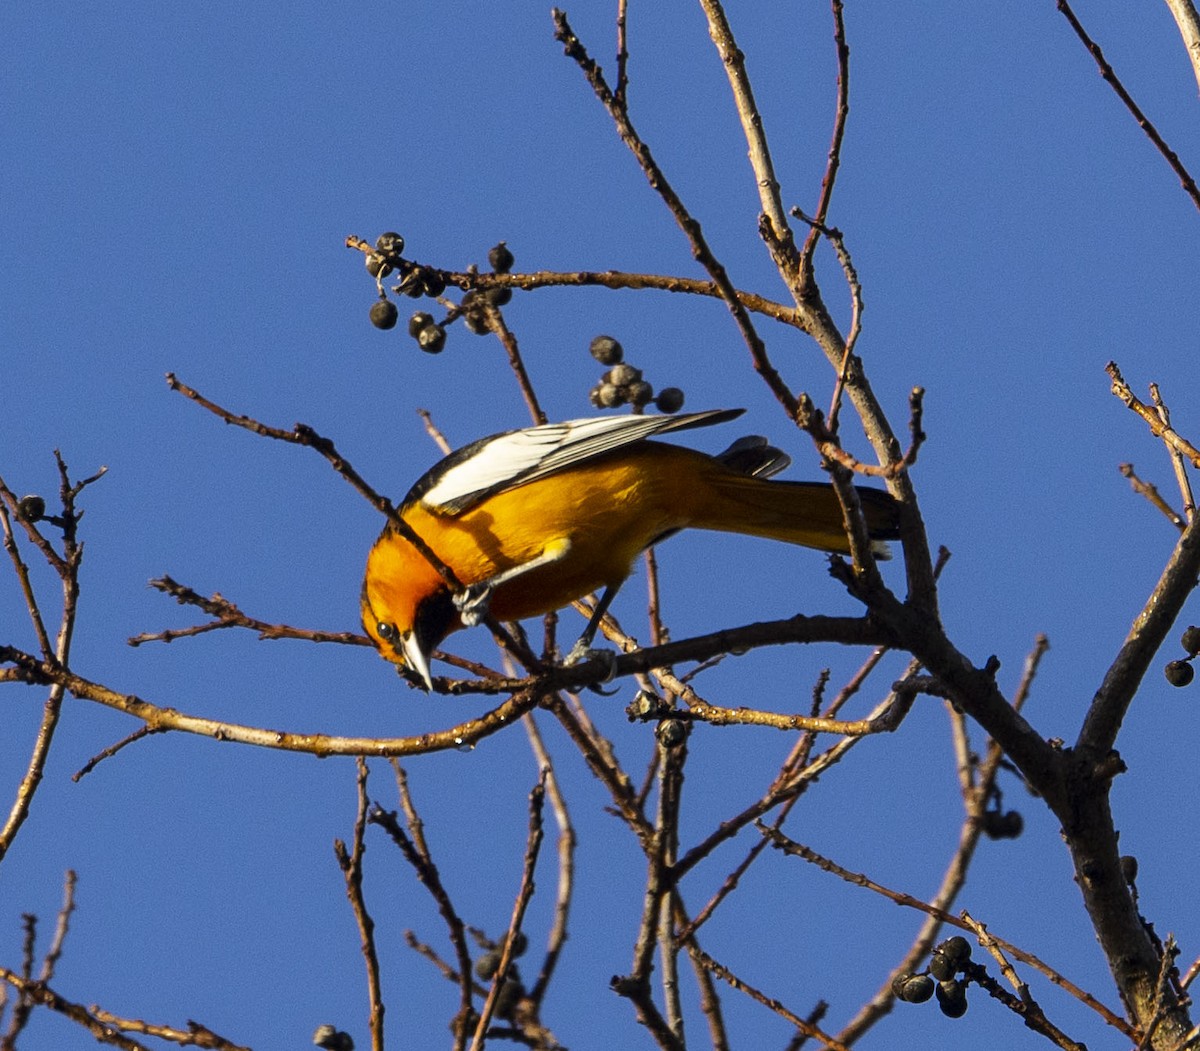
386, 631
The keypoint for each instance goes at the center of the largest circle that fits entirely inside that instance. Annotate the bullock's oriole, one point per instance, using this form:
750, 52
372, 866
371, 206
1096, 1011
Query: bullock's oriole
531, 520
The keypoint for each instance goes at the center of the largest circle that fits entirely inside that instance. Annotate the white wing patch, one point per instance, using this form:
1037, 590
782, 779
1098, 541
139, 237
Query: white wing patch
512, 459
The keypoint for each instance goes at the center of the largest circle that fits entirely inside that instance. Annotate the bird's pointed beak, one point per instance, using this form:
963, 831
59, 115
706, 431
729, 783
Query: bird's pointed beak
415, 658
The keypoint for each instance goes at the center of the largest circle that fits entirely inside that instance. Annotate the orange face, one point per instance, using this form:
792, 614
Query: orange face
406, 606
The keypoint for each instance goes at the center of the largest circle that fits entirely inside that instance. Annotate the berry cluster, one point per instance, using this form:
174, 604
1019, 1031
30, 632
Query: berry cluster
623, 384
948, 960
417, 281
1180, 672
511, 990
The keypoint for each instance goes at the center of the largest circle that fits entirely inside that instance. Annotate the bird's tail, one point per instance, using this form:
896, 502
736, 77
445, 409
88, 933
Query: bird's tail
805, 513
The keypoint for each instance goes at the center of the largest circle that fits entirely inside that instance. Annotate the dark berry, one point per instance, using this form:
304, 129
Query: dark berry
607, 396
670, 399
432, 283
418, 321
623, 375
507, 999
377, 265
1179, 673
329, 1038
913, 988
474, 312
941, 966
390, 244
957, 949
384, 314
606, 350
432, 339
1007, 825
31, 508
501, 258
1191, 640
952, 998
671, 733
640, 393
487, 965
1012, 825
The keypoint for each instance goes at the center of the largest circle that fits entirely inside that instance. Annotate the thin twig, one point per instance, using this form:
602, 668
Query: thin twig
838, 241
1151, 493
434, 432
812, 421
774, 224
977, 786
67, 568
302, 434
162, 718
620, 91
427, 873
828, 1043
110, 1029
710, 1000
614, 280
1026, 1008
566, 864
226, 614
54, 953
8, 501
687, 223
779, 792
833, 159
670, 788
1165, 995
1190, 974
533, 845
789, 780
1106, 71
351, 863
195, 1035
1158, 428
858, 879
495, 321
597, 753
1177, 461
1123, 677
110, 751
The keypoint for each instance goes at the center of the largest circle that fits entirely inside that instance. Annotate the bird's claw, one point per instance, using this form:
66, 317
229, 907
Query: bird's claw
472, 603
581, 652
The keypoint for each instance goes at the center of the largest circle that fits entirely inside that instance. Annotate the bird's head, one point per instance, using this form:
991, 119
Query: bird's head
407, 608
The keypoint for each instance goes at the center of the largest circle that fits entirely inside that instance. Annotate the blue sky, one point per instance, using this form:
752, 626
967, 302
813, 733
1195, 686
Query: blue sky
175, 187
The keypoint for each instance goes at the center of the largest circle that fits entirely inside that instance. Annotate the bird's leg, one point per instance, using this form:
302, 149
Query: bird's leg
473, 601
582, 650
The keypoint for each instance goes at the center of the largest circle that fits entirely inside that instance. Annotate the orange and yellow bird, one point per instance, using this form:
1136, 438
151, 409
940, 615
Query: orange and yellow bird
531, 520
